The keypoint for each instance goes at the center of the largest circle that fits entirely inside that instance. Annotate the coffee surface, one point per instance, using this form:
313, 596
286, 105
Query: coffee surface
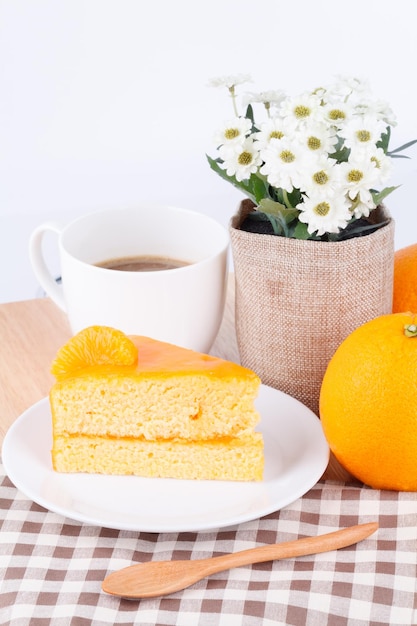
142, 264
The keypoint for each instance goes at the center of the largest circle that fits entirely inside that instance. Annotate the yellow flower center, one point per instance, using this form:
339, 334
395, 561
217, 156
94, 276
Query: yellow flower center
314, 143
322, 209
363, 136
301, 111
287, 156
276, 134
231, 133
376, 161
245, 158
320, 178
337, 114
355, 176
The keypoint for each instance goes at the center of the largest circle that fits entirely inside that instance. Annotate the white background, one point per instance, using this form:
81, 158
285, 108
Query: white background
105, 102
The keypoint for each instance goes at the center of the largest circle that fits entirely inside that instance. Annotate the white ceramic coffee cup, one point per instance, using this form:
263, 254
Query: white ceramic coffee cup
183, 306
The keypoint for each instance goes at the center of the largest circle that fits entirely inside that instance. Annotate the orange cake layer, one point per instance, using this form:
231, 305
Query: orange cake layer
153, 409
239, 458
169, 393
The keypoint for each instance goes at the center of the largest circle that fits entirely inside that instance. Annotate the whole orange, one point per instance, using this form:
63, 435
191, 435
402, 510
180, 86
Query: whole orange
405, 280
368, 403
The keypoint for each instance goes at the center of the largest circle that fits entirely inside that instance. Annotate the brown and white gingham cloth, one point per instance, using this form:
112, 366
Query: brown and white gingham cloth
51, 568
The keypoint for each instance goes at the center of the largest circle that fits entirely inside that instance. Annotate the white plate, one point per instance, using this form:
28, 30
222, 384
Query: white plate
296, 455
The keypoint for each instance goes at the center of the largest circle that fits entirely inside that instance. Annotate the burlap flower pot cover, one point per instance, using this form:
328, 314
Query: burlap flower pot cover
297, 300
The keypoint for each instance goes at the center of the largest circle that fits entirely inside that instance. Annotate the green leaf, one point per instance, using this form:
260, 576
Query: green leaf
341, 156
301, 232
403, 147
379, 196
255, 187
277, 210
270, 207
276, 194
243, 185
294, 197
259, 188
384, 141
249, 114
277, 225
341, 153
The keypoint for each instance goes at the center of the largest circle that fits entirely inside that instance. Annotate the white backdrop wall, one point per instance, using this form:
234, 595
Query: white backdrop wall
106, 103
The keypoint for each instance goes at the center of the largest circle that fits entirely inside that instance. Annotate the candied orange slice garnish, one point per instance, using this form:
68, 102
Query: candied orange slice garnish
95, 345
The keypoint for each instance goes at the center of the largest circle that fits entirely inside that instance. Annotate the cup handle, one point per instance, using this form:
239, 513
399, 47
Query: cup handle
42, 273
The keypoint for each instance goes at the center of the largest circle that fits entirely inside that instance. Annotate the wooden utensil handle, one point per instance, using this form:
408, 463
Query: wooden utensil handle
299, 547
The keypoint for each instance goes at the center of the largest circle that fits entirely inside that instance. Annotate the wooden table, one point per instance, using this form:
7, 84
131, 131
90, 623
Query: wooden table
32, 331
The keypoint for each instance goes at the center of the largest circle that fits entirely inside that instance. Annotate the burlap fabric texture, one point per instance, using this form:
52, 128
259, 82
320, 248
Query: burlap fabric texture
296, 301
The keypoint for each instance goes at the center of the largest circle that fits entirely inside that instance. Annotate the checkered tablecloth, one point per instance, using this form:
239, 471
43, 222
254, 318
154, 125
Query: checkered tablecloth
51, 568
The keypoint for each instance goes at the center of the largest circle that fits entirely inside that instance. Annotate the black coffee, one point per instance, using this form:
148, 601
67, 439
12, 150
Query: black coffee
142, 264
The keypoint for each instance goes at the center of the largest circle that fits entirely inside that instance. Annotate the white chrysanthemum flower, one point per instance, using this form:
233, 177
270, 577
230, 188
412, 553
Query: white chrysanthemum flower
283, 164
230, 81
324, 213
320, 175
268, 98
233, 131
362, 132
381, 161
348, 87
274, 129
337, 113
385, 112
383, 164
240, 159
358, 177
360, 209
318, 138
303, 108
378, 109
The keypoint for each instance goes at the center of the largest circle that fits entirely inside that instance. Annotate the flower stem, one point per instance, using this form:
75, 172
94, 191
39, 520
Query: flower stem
233, 96
410, 330
286, 199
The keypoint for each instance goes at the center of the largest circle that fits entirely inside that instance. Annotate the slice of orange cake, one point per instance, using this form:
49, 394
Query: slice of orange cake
134, 405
